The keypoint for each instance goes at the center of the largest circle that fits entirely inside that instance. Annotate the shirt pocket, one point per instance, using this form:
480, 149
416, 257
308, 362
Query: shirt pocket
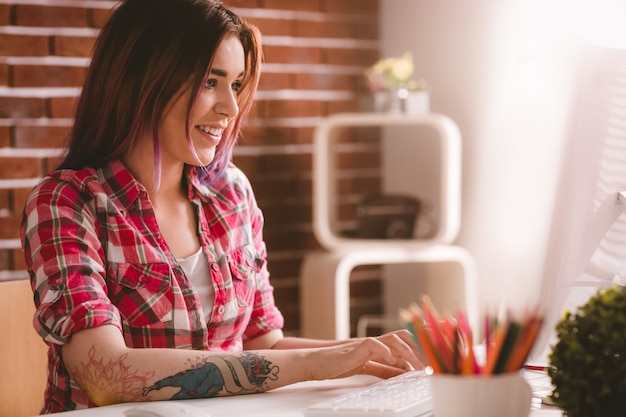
244, 264
142, 292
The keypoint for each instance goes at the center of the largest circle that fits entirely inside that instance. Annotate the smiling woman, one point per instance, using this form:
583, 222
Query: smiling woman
214, 106
145, 247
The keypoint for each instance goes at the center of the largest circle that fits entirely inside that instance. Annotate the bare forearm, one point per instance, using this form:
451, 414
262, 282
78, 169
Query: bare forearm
276, 340
299, 343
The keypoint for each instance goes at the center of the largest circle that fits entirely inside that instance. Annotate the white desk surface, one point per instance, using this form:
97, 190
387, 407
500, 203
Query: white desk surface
287, 401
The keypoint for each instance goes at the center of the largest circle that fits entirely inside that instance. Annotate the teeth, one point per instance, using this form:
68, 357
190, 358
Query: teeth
211, 130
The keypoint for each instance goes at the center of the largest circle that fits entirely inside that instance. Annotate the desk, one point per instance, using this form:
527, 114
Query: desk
287, 401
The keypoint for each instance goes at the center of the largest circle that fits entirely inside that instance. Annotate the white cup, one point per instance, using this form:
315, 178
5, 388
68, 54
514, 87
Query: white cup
502, 395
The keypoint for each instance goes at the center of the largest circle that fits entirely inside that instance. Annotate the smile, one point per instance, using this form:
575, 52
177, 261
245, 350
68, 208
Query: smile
213, 131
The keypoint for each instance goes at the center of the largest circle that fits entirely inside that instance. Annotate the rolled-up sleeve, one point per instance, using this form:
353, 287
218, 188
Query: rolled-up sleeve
64, 257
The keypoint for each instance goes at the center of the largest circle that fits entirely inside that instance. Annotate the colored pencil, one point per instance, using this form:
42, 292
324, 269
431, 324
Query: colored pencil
431, 352
439, 338
446, 343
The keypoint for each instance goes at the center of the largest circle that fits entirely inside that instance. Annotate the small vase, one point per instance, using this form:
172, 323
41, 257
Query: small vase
397, 96
380, 101
400, 100
416, 102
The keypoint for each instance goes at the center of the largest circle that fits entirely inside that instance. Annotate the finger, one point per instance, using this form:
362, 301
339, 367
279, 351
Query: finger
383, 357
353, 357
404, 356
405, 335
371, 350
403, 348
381, 370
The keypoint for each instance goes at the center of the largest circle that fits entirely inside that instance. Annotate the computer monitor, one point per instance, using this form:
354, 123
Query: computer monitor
587, 243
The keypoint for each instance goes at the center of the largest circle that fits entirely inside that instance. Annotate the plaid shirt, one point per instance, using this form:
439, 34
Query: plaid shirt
95, 257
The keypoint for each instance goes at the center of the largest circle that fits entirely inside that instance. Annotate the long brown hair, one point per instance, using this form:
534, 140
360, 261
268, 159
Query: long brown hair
142, 57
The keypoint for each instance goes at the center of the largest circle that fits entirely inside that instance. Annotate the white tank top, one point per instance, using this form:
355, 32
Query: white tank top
196, 268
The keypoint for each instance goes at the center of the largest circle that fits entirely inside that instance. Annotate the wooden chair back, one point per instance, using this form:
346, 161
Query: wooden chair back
23, 355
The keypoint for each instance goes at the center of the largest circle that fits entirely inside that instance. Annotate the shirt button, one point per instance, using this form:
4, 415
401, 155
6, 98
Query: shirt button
221, 310
215, 267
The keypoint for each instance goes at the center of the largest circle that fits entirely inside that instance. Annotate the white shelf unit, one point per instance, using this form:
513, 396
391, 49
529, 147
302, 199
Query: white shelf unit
325, 275
324, 174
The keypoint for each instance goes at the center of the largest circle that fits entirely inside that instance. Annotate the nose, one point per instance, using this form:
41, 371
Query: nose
228, 104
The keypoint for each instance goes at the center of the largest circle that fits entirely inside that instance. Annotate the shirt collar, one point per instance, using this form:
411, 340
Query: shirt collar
123, 187
120, 184
196, 186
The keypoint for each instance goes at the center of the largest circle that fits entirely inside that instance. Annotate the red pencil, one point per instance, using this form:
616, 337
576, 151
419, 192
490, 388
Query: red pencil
440, 341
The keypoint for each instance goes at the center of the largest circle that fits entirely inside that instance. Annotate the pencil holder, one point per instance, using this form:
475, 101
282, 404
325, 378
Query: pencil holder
500, 395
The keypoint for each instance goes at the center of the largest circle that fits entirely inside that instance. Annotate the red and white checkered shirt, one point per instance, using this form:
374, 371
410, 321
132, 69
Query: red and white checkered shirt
95, 256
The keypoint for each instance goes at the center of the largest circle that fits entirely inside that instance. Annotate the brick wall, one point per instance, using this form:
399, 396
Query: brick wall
316, 51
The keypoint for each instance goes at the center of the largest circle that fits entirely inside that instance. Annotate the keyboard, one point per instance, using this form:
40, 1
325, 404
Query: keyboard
405, 395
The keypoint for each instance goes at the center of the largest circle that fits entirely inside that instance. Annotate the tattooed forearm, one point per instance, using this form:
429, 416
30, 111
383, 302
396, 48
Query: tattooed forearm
220, 375
105, 382
112, 381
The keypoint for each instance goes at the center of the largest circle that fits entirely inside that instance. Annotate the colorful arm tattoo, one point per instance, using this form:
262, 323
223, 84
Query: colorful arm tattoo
219, 375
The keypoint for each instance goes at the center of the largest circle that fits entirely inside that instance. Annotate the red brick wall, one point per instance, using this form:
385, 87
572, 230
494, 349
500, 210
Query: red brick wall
316, 51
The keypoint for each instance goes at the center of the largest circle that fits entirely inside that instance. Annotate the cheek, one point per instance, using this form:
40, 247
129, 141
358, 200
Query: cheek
173, 126
175, 118
203, 105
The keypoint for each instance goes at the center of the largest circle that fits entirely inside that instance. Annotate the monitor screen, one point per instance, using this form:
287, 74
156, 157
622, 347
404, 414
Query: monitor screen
587, 243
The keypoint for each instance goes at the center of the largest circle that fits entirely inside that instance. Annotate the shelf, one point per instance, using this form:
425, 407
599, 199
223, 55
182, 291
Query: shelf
325, 276
324, 196
325, 283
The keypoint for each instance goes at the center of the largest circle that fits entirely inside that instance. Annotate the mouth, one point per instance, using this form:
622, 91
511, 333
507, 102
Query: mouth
214, 133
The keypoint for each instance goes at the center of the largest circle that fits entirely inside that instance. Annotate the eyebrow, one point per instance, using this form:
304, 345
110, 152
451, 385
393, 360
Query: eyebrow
222, 73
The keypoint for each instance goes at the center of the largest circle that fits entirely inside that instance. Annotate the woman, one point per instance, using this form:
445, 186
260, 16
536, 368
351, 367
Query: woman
145, 247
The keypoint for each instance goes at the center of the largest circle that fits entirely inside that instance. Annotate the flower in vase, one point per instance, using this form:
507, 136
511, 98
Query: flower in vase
393, 73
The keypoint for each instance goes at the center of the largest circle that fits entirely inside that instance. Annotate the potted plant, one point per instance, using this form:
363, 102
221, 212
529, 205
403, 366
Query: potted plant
391, 84
588, 361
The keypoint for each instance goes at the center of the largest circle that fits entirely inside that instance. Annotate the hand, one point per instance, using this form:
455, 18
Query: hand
382, 356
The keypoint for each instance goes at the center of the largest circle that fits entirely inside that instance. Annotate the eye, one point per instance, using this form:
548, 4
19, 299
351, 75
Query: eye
236, 86
210, 83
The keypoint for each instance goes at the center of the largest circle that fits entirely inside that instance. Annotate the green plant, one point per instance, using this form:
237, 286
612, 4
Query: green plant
588, 361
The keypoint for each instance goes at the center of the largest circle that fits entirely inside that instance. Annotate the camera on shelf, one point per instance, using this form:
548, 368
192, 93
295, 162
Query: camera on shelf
387, 217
